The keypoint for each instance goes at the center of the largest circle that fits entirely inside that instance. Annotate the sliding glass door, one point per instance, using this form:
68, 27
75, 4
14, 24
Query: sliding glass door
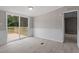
13, 27
17, 27
23, 27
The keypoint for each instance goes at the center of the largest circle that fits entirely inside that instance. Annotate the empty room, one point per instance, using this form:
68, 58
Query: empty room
39, 29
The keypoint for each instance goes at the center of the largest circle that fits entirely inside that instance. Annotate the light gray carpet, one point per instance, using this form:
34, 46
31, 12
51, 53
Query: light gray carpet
37, 45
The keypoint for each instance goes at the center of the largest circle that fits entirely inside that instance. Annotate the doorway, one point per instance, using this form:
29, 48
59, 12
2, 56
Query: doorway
17, 27
70, 24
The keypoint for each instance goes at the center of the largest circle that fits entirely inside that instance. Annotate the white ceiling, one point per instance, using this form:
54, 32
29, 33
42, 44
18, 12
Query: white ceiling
37, 10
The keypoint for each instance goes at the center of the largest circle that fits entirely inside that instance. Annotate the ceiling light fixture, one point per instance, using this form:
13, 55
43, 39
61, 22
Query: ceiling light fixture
30, 8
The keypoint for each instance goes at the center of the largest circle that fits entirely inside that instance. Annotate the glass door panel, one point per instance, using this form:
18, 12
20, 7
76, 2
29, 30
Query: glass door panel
23, 27
13, 27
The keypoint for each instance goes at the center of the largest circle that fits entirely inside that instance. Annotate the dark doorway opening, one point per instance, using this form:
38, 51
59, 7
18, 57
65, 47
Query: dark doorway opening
70, 24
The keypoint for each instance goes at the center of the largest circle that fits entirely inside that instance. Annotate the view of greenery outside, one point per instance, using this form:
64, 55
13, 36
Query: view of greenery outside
13, 25
23, 26
13, 21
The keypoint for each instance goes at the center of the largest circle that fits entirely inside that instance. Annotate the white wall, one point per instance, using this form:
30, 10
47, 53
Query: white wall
51, 25
30, 26
3, 33
78, 29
